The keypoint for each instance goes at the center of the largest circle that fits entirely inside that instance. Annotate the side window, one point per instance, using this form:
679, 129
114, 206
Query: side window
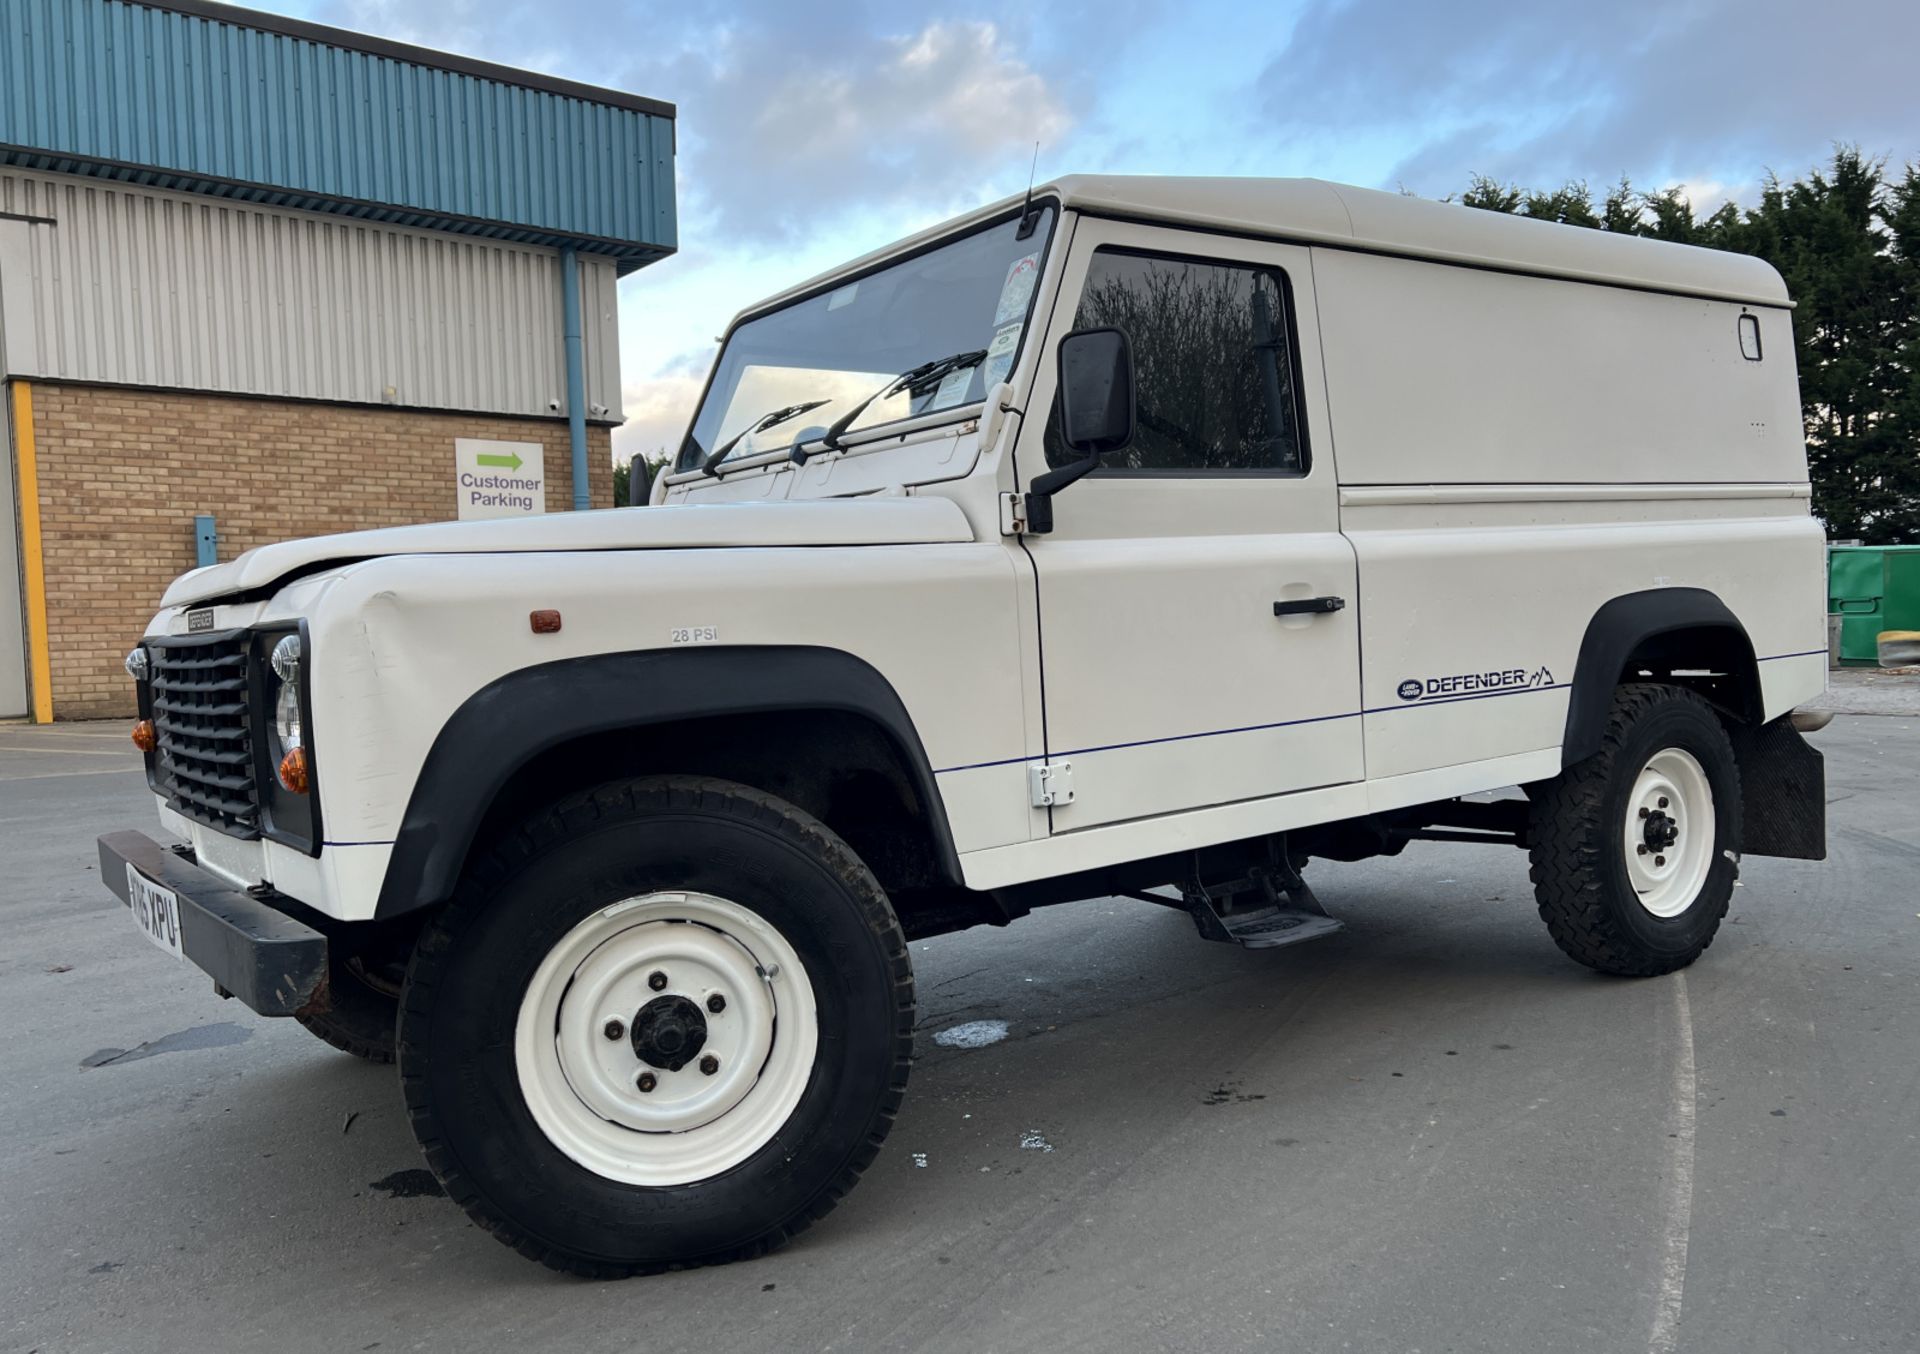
1213, 363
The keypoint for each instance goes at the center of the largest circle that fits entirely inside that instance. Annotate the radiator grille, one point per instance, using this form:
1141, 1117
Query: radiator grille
204, 753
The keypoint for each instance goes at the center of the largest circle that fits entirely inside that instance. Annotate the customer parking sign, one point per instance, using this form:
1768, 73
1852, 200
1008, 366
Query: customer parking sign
499, 479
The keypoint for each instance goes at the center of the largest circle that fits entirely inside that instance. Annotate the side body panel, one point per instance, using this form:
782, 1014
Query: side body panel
1441, 374
1171, 684
399, 644
1515, 452
1494, 458
1461, 599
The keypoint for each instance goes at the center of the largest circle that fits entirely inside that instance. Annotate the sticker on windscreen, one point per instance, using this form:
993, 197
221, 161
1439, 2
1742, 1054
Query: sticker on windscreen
953, 389
844, 296
1000, 355
1017, 290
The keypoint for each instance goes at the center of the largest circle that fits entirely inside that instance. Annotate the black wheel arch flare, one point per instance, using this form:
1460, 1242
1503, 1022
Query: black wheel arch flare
513, 719
1628, 623
1782, 777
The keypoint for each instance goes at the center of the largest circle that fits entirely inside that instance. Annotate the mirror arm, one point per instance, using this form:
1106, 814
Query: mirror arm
1051, 483
1040, 493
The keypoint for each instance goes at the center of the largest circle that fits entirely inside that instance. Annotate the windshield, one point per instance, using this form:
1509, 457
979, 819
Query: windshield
841, 346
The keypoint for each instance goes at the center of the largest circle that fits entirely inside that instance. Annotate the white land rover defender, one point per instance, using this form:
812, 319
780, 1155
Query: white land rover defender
1146, 537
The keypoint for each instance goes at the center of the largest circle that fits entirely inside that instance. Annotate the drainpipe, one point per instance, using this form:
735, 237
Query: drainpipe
576, 376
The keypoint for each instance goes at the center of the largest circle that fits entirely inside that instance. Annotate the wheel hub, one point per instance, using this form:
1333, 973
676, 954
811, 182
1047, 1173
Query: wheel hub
1660, 831
1669, 832
666, 1038
669, 1033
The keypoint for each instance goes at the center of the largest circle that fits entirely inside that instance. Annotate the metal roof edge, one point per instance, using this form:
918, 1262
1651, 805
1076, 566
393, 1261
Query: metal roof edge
628, 255
1340, 216
1448, 232
407, 52
906, 244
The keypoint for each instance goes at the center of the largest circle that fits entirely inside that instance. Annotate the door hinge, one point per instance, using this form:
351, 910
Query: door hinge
1051, 783
1013, 515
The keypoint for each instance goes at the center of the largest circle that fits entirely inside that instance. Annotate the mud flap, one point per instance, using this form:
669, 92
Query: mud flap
1783, 782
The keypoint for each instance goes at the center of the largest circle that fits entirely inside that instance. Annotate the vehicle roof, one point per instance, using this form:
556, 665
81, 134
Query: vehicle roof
1314, 211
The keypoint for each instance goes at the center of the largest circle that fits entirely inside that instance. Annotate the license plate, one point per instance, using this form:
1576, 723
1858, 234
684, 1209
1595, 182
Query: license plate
156, 911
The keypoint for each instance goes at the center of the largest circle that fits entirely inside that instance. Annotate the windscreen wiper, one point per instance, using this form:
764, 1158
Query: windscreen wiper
911, 379
711, 465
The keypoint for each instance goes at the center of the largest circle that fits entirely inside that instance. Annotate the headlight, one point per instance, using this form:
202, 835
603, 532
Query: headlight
286, 719
285, 662
139, 666
288, 750
286, 659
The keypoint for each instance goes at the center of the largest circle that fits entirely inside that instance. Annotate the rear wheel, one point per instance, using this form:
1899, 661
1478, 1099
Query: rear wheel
667, 1023
1633, 849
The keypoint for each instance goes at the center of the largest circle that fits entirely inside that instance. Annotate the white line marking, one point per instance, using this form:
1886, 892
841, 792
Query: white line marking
65, 752
63, 775
1676, 1194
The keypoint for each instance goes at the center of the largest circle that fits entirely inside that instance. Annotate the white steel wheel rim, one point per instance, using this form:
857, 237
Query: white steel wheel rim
1669, 832
582, 1084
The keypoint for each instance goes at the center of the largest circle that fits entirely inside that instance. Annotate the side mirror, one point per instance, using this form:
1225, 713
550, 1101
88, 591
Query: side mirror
1096, 412
1096, 391
639, 480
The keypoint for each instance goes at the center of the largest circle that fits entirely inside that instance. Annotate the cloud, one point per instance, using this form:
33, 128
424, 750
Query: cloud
813, 130
658, 409
793, 116
808, 134
1657, 88
782, 143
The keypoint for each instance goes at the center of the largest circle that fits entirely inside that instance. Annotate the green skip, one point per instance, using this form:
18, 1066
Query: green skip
511, 461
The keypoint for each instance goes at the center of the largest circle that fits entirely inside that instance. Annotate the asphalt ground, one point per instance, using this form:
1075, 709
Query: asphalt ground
1429, 1132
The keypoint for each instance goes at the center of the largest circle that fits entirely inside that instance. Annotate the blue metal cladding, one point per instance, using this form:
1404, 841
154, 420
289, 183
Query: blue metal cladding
181, 99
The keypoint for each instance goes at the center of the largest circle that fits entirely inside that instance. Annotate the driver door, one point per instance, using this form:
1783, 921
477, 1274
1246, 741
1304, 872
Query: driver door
1171, 680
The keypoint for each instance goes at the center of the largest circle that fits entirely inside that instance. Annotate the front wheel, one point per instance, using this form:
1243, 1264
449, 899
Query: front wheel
364, 1000
668, 1023
1633, 850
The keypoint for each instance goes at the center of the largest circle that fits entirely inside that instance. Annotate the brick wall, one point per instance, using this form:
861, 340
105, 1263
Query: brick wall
123, 472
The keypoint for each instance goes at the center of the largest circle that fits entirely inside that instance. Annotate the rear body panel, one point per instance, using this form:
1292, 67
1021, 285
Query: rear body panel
1516, 451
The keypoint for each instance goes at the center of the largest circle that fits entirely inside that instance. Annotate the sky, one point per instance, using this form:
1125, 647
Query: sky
812, 132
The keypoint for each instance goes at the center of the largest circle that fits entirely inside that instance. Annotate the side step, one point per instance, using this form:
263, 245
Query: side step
1269, 927
1268, 907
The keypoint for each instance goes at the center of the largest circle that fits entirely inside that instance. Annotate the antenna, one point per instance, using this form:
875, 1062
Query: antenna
1029, 218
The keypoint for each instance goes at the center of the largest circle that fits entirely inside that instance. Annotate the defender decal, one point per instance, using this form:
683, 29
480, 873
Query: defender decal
1473, 683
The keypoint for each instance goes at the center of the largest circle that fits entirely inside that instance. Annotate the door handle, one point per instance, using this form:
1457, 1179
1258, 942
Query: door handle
1310, 606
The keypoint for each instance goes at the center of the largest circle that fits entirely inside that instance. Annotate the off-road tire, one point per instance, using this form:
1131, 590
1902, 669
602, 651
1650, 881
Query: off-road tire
475, 960
1575, 826
361, 1017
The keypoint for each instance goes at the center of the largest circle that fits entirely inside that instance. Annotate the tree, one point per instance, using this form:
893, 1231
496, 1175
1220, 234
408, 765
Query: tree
1902, 215
1825, 235
1847, 242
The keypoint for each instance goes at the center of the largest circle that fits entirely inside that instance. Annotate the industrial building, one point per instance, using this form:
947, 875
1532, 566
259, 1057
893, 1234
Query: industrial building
261, 278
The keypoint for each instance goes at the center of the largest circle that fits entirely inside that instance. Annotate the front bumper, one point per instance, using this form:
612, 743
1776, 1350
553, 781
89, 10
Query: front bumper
272, 963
